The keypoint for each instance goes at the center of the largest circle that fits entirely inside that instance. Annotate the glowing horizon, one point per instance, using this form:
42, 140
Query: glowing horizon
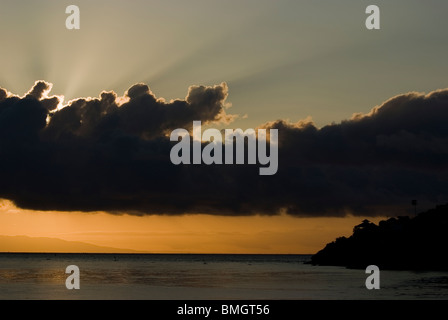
181, 234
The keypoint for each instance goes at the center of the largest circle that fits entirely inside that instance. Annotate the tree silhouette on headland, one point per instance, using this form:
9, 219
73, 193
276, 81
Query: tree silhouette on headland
418, 243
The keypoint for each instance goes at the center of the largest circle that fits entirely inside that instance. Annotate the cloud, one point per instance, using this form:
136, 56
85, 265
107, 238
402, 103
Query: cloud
3, 94
111, 154
39, 90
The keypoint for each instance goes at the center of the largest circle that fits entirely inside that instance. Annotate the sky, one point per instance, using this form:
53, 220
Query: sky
301, 67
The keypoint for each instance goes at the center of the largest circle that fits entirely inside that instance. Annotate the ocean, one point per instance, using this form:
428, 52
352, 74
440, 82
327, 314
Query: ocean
203, 277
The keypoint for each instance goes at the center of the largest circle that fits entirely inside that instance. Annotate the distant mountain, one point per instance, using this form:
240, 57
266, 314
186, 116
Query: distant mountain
40, 244
418, 243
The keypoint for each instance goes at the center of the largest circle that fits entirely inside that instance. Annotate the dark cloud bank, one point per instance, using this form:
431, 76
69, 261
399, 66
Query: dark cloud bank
112, 154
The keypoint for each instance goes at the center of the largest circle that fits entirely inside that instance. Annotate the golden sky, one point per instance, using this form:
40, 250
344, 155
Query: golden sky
180, 234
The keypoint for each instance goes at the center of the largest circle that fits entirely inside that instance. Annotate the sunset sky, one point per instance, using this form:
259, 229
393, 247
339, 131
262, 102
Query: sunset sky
310, 64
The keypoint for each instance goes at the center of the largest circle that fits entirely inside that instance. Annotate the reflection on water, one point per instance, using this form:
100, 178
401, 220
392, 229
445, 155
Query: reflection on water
108, 276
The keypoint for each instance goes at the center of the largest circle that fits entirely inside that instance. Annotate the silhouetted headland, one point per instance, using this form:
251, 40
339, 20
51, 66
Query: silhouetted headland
405, 243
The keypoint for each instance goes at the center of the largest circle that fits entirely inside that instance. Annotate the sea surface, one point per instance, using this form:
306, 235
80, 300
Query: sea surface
203, 277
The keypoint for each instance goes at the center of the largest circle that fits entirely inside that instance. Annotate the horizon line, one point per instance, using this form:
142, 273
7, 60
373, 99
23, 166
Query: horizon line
153, 253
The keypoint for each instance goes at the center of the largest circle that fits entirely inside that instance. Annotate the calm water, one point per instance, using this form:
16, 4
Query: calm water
178, 277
